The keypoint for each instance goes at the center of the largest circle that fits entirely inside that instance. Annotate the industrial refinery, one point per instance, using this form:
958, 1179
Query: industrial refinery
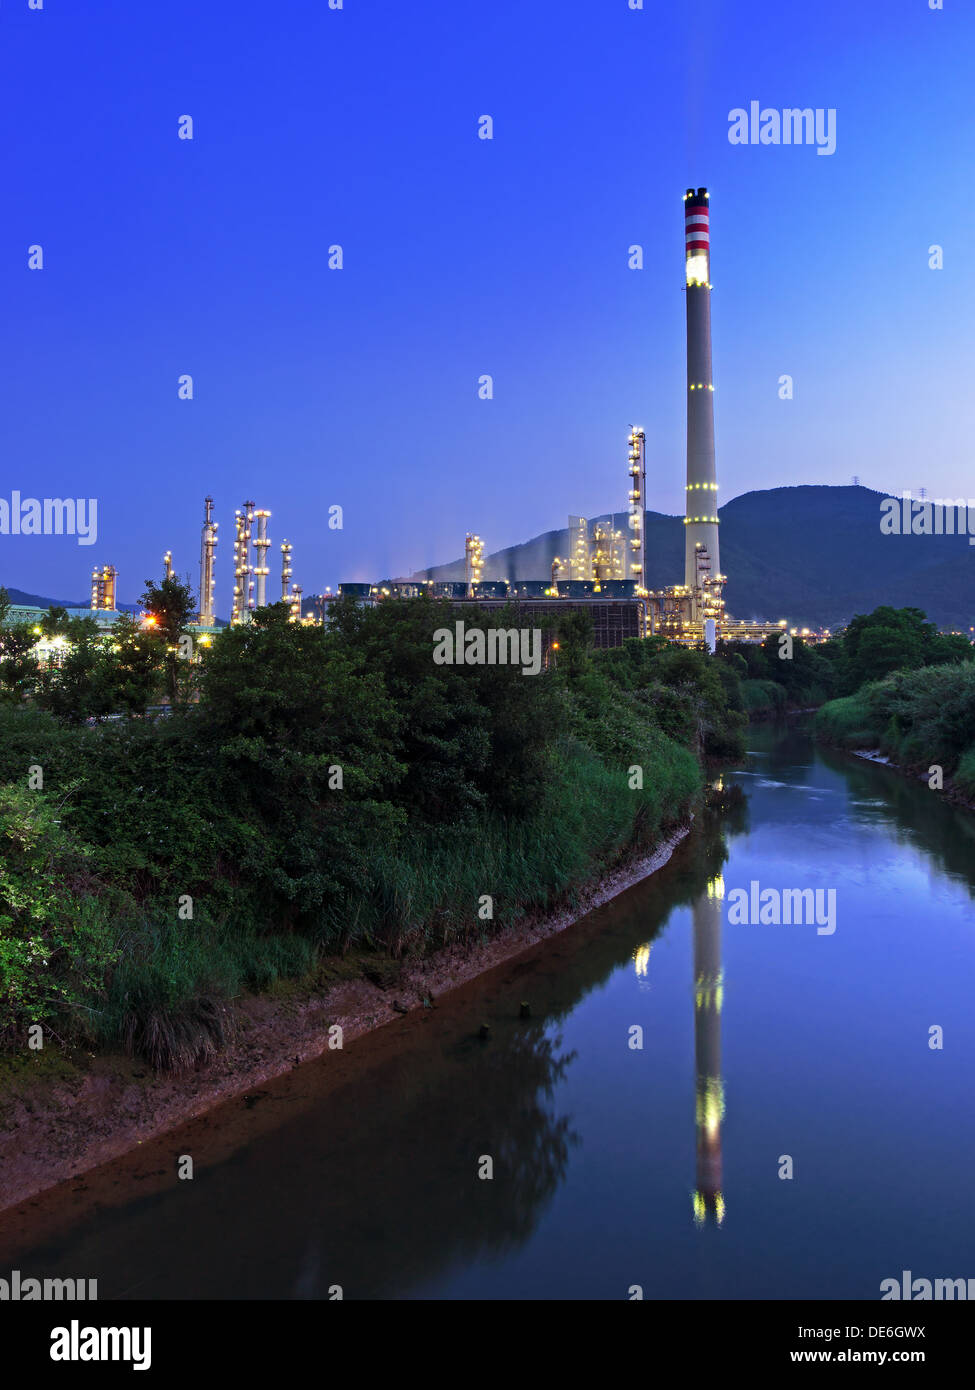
605, 569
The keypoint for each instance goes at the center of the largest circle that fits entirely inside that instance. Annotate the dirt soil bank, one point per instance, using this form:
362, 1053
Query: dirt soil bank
60, 1118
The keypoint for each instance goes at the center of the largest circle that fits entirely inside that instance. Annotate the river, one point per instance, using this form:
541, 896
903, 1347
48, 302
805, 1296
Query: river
615, 1166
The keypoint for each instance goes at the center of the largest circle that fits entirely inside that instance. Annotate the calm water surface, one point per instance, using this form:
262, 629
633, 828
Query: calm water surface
616, 1166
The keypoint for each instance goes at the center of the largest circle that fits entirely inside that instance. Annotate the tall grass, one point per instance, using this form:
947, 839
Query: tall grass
168, 998
428, 889
847, 722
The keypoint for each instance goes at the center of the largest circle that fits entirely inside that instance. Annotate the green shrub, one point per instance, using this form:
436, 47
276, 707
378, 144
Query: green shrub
455, 782
847, 722
55, 944
763, 696
965, 773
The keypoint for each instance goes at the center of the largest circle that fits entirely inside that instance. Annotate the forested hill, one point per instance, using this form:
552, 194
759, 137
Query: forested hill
814, 555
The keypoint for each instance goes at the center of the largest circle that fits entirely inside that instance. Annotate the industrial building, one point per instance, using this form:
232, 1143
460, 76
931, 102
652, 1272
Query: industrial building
605, 571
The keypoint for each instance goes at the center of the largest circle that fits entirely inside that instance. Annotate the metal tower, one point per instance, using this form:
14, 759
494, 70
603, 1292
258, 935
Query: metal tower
261, 544
285, 571
208, 544
638, 509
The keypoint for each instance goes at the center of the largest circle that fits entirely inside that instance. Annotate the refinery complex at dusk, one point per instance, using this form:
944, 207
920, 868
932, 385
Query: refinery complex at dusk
477, 822
605, 571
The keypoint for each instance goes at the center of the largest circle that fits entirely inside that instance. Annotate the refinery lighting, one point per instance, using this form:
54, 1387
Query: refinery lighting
474, 560
638, 508
285, 571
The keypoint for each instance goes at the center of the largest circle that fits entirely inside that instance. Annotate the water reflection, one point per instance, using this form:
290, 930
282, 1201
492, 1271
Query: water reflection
709, 1087
371, 1181
699, 879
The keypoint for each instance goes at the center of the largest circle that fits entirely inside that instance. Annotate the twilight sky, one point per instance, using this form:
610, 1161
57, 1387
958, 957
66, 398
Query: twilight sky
358, 386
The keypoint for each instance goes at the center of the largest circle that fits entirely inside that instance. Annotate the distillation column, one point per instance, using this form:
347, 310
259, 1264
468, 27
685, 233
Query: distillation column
261, 545
638, 509
474, 561
208, 543
285, 571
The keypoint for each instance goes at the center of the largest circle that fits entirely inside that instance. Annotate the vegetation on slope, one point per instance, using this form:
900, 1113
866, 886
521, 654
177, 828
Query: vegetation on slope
921, 719
325, 791
870, 646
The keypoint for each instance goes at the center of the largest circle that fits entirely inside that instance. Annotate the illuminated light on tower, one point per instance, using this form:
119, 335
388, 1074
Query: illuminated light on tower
701, 512
104, 582
474, 559
208, 545
580, 554
286, 571
600, 552
607, 553
235, 617
168, 562
261, 545
708, 589
296, 592
242, 568
618, 550
638, 509
248, 567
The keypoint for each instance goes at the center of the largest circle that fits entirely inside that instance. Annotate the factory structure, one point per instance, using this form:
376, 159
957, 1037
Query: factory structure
604, 570
251, 571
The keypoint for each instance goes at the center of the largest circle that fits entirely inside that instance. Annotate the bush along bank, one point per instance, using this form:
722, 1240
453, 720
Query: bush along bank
922, 720
329, 791
785, 674
782, 674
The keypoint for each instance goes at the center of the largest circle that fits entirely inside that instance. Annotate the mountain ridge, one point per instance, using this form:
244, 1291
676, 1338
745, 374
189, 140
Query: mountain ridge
812, 553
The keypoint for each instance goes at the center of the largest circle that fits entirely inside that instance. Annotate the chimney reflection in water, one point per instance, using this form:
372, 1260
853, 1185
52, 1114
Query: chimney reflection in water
709, 1090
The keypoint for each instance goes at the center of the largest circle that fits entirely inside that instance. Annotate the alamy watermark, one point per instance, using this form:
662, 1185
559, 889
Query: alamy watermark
77, 1343
495, 646
773, 907
50, 516
790, 126
907, 1287
20, 1290
916, 516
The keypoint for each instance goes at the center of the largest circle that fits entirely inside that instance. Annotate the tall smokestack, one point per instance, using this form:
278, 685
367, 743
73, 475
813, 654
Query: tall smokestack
701, 511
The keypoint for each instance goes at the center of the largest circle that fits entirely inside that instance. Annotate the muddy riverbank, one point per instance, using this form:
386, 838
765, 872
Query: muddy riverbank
60, 1117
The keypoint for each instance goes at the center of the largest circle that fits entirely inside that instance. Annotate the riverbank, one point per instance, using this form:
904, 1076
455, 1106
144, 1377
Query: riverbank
949, 791
918, 721
61, 1117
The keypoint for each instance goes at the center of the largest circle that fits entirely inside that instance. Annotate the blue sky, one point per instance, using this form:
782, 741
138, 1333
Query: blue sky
357, 387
